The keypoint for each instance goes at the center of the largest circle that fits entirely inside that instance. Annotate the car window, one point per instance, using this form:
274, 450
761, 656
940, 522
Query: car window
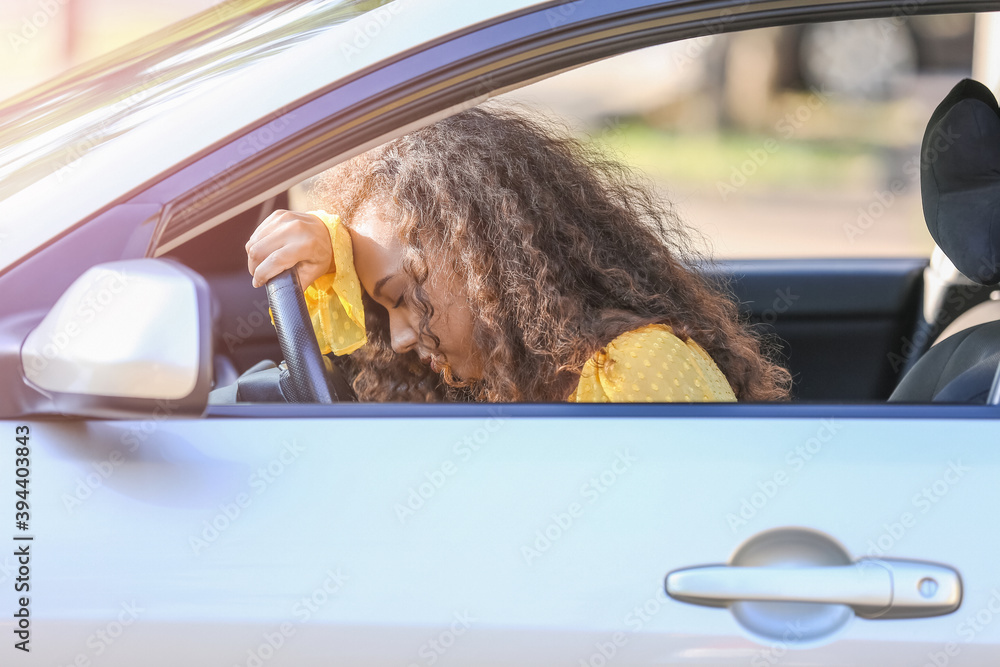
797, 141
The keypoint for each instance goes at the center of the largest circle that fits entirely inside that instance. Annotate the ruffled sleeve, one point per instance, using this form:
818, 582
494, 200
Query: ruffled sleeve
334, 299
651, 364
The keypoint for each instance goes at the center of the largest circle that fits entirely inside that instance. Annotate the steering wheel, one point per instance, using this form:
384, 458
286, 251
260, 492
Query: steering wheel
309, 377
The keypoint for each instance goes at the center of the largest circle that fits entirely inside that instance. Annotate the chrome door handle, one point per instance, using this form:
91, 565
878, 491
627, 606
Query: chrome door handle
874, 588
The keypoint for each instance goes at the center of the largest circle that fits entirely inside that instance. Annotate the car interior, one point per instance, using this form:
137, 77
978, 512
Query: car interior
959, 190
851, 330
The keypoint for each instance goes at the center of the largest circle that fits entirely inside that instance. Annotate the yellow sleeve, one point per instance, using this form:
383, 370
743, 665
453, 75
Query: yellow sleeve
653, 365
334, 299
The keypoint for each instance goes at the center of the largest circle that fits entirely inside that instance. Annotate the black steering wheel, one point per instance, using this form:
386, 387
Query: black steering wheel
309, 377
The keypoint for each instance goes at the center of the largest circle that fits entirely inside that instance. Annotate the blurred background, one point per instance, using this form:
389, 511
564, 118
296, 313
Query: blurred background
800, 141
783, 142
41, 38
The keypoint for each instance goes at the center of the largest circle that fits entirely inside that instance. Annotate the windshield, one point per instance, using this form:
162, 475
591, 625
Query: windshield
48, 128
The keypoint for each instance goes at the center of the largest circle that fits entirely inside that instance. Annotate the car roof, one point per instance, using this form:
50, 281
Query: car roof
73, 145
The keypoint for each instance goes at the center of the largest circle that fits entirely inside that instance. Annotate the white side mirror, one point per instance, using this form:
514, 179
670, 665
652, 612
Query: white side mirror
125, 337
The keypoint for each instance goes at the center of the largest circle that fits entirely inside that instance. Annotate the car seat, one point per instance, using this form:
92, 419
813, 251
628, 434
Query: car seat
960, 191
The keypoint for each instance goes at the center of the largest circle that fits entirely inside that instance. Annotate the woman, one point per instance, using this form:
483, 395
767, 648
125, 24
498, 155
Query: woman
502, 261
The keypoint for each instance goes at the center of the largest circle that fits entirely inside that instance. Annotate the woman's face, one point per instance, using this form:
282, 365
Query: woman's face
378, 257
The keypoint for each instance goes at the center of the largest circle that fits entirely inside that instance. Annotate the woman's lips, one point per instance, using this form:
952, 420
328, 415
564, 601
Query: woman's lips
431, 360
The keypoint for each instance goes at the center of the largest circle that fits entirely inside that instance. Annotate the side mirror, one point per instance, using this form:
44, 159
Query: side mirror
126, 338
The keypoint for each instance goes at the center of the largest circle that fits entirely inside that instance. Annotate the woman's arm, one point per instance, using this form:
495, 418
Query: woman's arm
320, 249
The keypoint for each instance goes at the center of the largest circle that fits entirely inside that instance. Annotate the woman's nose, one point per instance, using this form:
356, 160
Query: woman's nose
403, 337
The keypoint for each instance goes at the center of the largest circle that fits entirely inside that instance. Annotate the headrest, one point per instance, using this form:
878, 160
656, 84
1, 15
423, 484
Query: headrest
960, 180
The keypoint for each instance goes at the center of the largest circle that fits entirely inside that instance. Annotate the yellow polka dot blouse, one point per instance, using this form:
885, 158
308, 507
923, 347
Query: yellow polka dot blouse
649, 364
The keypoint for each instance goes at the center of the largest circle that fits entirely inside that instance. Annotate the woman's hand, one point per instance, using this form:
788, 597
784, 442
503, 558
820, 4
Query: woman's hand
286, 239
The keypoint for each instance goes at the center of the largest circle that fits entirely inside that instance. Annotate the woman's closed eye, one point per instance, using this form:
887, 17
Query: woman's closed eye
399, 302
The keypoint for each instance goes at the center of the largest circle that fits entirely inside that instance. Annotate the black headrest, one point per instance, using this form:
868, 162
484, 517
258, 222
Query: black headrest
960, 180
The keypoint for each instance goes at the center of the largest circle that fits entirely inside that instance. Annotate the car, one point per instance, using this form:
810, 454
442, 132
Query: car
150, 526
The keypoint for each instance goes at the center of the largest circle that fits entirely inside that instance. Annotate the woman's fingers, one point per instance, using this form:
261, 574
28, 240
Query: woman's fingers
273, 264
266, 226
285, 239
262, 249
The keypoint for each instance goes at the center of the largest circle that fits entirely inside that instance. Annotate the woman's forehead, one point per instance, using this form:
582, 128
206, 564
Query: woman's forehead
371, 221
377, 250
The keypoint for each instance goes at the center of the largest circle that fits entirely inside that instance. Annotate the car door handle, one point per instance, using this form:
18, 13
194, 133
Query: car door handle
874, 588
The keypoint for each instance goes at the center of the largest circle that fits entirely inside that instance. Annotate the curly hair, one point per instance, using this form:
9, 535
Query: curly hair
561, 250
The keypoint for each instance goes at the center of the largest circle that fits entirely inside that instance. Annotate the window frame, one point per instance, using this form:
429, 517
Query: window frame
457, 71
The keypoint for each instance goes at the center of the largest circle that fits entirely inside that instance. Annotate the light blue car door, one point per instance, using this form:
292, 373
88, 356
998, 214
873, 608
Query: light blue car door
509, 535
